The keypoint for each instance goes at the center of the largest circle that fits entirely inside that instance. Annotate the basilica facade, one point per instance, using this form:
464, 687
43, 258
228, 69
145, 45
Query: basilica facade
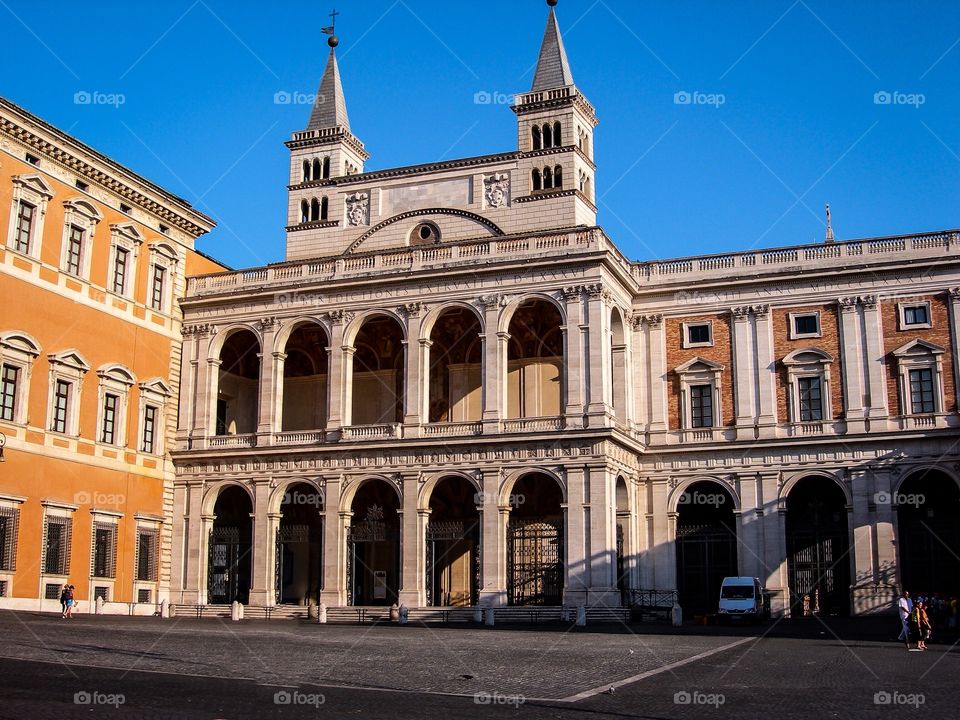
457, 391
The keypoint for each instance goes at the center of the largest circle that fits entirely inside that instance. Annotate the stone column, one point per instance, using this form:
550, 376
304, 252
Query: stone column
276, 406
954, 295
266, 392
750, 545
664, 536
876, 370
885, 550
494, 364
573, 337
415, 381
262, 546
657, 363
851, 364
493, 591
188, 384
743, 389
765, 362
774, 541
577, 544
334, 544
639, 388
599, 411
193, 544
203, 566
603, 541
412, 544
200, 421
339, 372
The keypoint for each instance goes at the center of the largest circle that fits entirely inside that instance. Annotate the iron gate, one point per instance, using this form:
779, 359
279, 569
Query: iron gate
706, 554
819, 568
445, 532
225, 576
534, 562
309, 538
368, 533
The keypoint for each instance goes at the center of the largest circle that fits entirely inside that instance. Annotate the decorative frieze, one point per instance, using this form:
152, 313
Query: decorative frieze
496, 190
358, 209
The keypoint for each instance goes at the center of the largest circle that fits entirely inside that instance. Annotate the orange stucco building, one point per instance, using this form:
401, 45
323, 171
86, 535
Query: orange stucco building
92, 261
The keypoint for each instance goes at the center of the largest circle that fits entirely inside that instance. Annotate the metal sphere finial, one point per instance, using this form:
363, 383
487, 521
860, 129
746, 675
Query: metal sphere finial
333, 41
552, 3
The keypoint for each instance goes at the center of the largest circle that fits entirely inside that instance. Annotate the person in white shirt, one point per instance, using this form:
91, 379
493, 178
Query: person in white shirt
905, 607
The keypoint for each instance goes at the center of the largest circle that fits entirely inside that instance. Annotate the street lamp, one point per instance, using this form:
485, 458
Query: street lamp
3, 441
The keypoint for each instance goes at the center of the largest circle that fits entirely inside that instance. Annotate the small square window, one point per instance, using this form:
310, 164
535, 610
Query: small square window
806, 325
124, 208
699, 334
916, 315
81, 185
32, 159
165, 229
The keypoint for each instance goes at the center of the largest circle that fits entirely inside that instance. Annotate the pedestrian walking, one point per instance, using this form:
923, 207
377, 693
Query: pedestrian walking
924, 625
905, 607
63, 600
70, 602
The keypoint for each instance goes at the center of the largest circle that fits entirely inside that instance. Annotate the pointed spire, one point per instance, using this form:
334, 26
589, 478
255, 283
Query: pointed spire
829, 238
330, 108
553, 68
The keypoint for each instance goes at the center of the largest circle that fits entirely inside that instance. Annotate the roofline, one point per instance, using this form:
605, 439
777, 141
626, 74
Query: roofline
200, 219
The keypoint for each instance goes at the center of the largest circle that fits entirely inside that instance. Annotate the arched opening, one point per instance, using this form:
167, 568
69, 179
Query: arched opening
558, 177
706, 545
537, 180
324, 208
316, 169
304, 211
535, 542
314, 210
535, 361
298, 572
326, 168
228, 573
557, 135
928, 534
547, 179
306, 170
455, 368
378, 373
238, 384
624, 544
818, 544
373, 546
618, 366
547, 136
305, 379
453, 544
537, 137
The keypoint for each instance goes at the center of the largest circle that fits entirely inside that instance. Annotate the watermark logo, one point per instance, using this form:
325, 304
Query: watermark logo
300, 299
702, 499
295, 697
496, 698
95, 97
884, 697
94, 697
298, 497
914, 500
686, 697
895, 97
686, 97
514, 501
495, 97
99, 499
295, 97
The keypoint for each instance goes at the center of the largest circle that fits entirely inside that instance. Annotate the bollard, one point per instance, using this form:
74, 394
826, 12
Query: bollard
490, 619
404, 614
565, 614
98, 606
166, 610
478, 614
677, 616
311, 611
394, 613
236, 611
581, 616
322, 613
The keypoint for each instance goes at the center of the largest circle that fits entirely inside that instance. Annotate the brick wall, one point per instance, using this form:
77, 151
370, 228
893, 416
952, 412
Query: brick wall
829, 342
721, 352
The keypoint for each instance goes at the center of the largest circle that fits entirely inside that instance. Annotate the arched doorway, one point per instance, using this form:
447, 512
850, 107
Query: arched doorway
238, 385
455, 368
305, 379
299, 559
706, 545
623, 541
535, 361
373, 546
228, 570
453, 544
928, 534
618, 366
818, 548
535, 542
378, 373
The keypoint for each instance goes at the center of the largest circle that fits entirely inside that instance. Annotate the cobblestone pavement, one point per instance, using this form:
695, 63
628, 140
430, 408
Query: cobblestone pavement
216, 669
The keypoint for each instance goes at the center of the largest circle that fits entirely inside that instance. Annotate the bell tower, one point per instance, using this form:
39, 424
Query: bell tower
556, 123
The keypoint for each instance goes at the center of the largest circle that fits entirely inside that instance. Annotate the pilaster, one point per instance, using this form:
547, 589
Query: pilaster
851, 364
744, 376
599, 411
493, 589
574, 337
765, 366
876, 369
268, 382
415, 372
413, 525
494, 363
262, 546
335, 524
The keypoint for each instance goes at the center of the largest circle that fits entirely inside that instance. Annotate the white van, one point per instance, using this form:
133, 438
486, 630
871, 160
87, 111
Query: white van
743, 598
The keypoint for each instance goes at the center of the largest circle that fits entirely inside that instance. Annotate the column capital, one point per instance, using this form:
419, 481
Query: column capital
339, 317
571, 292
412, 309
492, 301
266, 324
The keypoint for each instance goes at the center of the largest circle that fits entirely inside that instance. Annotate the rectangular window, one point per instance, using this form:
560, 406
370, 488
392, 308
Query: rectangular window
149, 428
8, 538
916, 315
701, 406
120, 271
156, 287
221, 416
9, 382
21, 237
56, 545
143, 595
806, 325
147, 555
811, 400
108, 431
61, 406
74, 250
51, 591
104, 550
698, 334
921, 391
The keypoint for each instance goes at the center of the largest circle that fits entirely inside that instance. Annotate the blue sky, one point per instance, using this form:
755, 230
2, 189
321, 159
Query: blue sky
784, 113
